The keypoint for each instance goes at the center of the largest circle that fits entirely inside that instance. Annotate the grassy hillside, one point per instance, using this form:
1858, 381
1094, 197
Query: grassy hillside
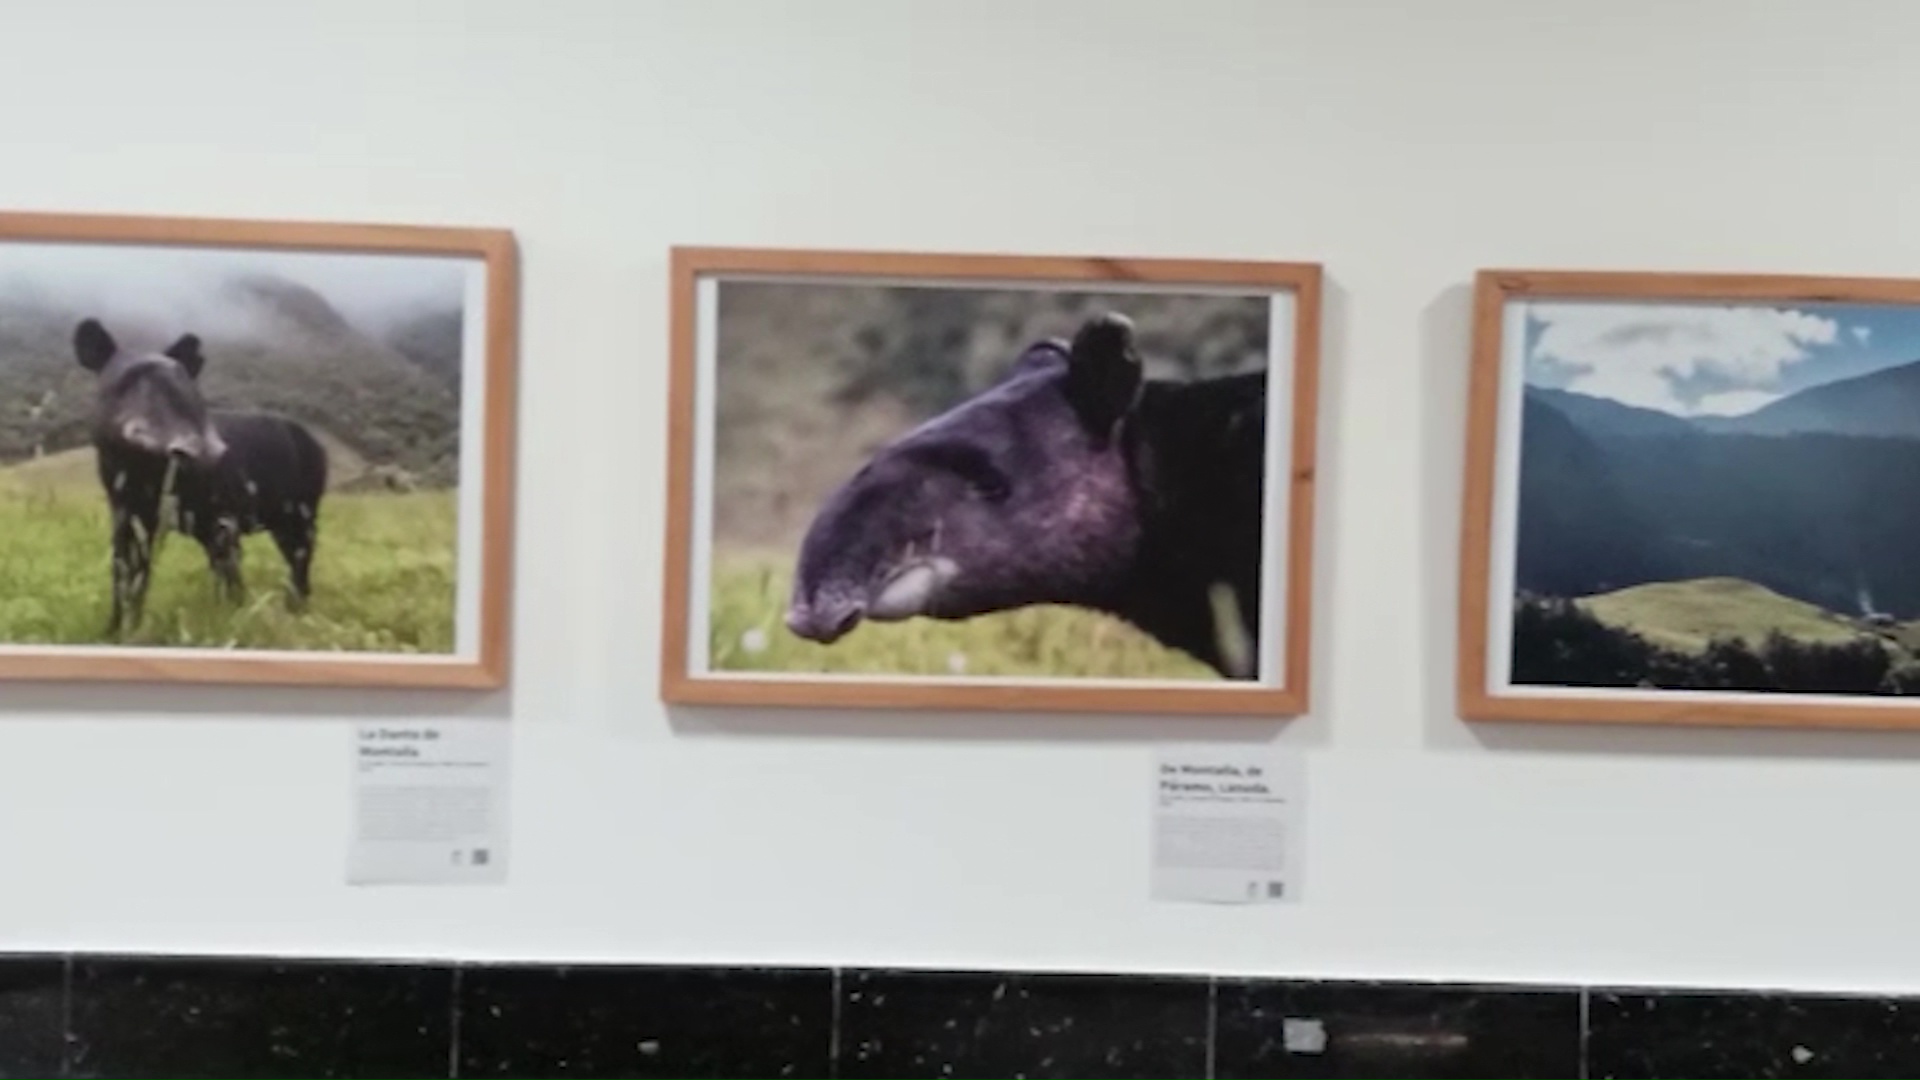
1687, 616
1707, 635
277, 345
384, 572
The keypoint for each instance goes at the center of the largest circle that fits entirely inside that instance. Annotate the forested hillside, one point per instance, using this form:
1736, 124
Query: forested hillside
279, 346
1613, 497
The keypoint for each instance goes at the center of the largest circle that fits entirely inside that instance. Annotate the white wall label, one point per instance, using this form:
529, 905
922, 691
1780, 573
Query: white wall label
429, 802
1226, 824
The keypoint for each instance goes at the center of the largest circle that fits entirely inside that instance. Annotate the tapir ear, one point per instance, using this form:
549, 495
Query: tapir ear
1103, 371
187, 351
92, 345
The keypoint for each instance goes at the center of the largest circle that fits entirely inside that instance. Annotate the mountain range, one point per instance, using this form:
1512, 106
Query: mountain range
390, 391
1815, 496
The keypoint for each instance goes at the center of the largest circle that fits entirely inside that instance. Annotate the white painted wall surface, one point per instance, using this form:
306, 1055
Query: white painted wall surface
1401, 142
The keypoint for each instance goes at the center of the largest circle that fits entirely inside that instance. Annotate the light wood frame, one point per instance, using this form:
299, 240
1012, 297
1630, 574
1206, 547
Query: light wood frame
1477, 698
1286, 697
488, 667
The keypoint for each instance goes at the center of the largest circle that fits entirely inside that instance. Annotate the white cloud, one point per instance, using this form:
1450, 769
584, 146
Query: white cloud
1647, 354
1862, 333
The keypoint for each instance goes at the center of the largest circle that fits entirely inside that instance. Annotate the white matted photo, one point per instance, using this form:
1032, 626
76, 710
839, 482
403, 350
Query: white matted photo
254, 452
1690, 500
982, 481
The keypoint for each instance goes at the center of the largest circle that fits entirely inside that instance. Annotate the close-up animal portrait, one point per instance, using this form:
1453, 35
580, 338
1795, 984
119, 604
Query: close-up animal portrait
970, 481
237, 450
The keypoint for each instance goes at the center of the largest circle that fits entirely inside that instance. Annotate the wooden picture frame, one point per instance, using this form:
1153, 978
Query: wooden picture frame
790, 368
1684, 500
378, 366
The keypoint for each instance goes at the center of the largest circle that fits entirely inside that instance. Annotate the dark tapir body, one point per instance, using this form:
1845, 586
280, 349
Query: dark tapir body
1071, 481
231, 474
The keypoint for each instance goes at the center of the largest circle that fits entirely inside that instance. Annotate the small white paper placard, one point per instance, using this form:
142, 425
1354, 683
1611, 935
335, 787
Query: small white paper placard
1226, 824
429, 802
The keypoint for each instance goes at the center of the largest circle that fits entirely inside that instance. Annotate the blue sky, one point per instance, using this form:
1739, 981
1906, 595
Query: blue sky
1689, 358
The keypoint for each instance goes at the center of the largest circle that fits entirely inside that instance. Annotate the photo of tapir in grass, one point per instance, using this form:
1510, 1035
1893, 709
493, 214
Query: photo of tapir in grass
981, 482
227, 451
225, 474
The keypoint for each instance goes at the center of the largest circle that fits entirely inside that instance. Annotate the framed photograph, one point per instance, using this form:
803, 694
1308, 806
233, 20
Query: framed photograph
1691, 499
255, 452
990, 482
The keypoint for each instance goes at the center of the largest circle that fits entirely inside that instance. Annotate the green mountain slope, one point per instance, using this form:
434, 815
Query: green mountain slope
277, 345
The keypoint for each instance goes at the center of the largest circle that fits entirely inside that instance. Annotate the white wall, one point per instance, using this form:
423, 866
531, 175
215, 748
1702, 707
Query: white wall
1401, 142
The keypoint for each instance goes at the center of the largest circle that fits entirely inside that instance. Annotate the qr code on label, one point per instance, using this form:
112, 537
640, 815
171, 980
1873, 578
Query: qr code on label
1276, 889
481, 856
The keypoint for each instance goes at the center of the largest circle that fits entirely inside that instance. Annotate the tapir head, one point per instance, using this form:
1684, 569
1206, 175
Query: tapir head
149, 402
1020, 495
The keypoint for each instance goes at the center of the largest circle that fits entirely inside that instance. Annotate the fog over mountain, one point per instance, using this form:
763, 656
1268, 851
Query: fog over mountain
149, 288
368, 348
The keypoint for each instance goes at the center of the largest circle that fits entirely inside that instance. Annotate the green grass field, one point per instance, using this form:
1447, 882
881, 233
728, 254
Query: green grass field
1686, 615
749, 597
384, 573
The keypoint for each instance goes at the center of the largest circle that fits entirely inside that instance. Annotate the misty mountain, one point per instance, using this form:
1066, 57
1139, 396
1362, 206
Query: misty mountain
1604, 417
275, 345
1820, 517
1884, 402
297, 305
434, 340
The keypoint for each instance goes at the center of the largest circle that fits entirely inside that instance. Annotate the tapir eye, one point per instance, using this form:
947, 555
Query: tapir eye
970, 464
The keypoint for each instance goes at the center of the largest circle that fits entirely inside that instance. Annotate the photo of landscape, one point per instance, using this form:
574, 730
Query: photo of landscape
942, 481
230, 449
1717, 496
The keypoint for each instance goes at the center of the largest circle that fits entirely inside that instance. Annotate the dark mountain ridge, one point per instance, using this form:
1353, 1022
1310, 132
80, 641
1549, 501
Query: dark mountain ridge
1884, 402
1817, 503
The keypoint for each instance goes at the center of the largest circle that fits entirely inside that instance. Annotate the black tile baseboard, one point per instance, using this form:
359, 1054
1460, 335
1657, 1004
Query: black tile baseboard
1365, 1029
522, 1021
33, 1015
1644, 1034
155, 1016
909, 1024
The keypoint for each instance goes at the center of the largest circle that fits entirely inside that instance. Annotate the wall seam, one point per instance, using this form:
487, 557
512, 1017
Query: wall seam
453, 1022
1586, 1011
1213, 1026
833, 1027
66, 1014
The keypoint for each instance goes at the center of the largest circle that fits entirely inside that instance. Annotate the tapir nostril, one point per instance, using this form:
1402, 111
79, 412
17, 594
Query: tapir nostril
824, 625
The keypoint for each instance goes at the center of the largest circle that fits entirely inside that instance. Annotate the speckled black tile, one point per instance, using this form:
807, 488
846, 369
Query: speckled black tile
32, 1015
1363, 1029
536, 1021
915, 1024
258, 1019
1706, 1034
